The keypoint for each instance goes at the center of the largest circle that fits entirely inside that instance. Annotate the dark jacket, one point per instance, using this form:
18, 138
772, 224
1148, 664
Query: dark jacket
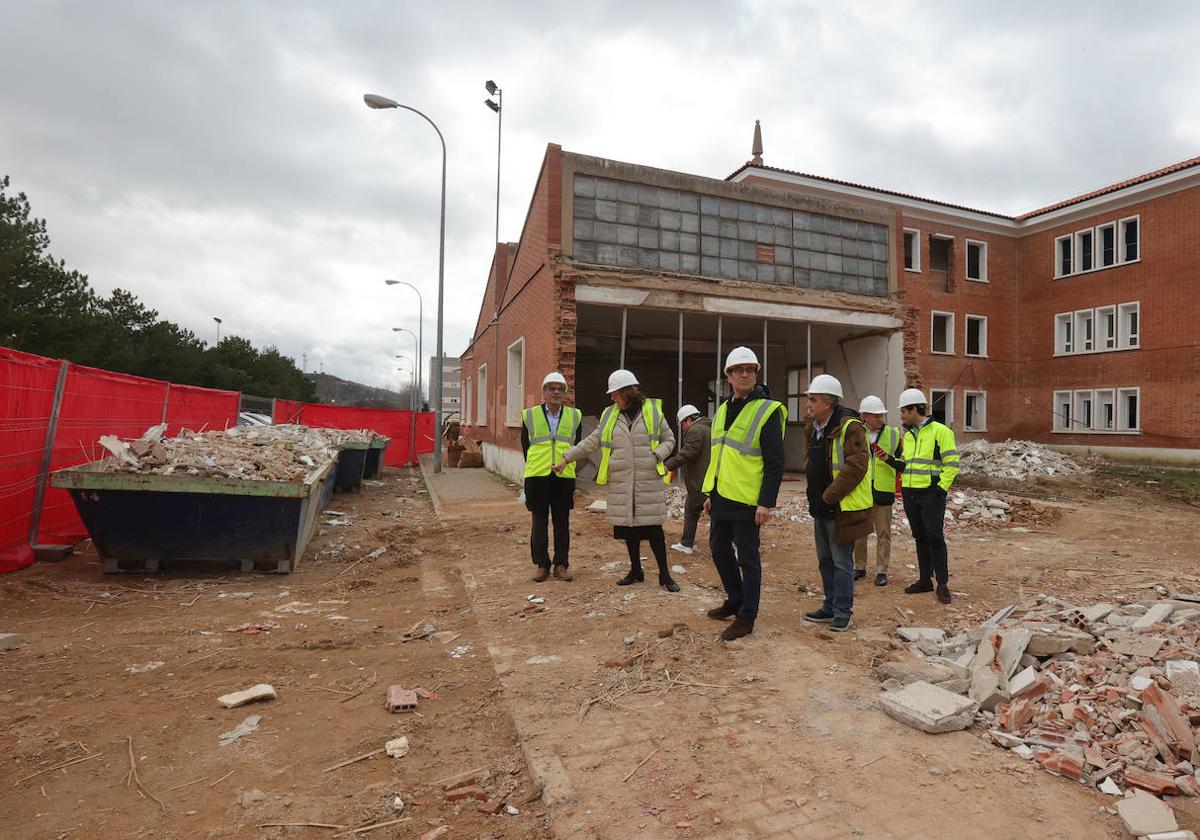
824, 491
693, 455
540, 489
771, 442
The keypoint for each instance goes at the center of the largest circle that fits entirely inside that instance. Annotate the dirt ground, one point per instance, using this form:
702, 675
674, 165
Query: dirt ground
582, 712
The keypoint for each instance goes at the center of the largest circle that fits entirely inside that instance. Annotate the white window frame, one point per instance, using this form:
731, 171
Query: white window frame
1064, 333
1122, 257
949, 392
983, 336
1099, 262
980, 411
1069, 238
949, 351
1082, 317
983, 267
1122, 395
1127, 340
481, 397
1083, 421
1103, 337
1077, 251
1062, 423
916, 250
467, 416
1103, 397
514, 391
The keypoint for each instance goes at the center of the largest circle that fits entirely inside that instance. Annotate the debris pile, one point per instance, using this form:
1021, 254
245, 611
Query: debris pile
1108, 695
968, 507
1015, 459
255, 453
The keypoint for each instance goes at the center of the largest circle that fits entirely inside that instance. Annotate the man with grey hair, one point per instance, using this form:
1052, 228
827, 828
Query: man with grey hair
695, 434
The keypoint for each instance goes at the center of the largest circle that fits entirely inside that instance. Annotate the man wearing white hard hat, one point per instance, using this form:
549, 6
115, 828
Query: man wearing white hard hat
885, 451
695, 432
742, 483
547, 431
929, 469
633, 439
837, 465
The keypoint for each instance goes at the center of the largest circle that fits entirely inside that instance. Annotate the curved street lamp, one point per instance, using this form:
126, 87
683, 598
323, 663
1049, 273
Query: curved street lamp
380, 102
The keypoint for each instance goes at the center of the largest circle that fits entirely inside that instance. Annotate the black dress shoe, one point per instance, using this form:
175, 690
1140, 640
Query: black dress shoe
722, 612
943, 594
740, 627
881, 579
633, 577
919, 586
859, 574
668, 584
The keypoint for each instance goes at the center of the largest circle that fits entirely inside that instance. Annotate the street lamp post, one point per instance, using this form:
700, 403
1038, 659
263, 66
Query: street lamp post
412, 424
218, 320
420, 328
376, 101
498, 107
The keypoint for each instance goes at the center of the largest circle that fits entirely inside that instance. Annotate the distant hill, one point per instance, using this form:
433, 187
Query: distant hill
338, 391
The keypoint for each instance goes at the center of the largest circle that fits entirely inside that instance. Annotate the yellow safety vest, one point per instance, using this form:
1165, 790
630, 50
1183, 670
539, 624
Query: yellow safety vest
651, 416
930, 456
860, 498
545, 449
883, 476
735, 466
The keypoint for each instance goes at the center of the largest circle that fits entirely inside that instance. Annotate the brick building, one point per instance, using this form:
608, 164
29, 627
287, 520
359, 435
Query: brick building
1027, 327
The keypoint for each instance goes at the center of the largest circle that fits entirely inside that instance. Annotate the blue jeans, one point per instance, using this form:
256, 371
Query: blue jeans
836, 562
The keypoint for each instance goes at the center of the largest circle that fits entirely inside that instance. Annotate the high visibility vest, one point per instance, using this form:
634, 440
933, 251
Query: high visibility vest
545, 449
860, 498
930, 457
735, 465
883, 477
651, 416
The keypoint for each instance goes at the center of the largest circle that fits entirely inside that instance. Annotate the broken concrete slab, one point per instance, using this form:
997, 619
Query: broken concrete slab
397, 747
1143, 647
262, 691
1049, 639
1022, 680
242, 729
1110, 787
1172, 835
1097, 612
11, 641
929, 708
986, 689
999, 615
917, 670
1184, 675
1158, 613
916, 634
1145, 814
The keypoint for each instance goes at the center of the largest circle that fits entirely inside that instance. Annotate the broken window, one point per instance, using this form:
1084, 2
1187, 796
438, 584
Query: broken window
939, 253
975, 411
976, 335
943, 332
941, 406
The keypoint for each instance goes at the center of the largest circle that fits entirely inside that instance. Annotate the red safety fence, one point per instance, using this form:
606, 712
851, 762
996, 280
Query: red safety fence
286, 411
394, 423
90, 403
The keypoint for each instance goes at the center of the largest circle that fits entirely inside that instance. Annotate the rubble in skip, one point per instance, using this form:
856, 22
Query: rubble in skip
1107, 694
263, 453
1016, 459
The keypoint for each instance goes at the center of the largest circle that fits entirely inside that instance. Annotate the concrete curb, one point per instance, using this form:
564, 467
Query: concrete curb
425, 462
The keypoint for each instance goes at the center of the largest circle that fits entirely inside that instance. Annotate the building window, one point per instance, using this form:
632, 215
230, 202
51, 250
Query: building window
943, 332
515, 383
975, 411
1130, 242
1129, 324
977, 261
794, 393
912, 250
1106, 410
1106, 321
939, 253
467, 416
1084, 249
1108, 244
1063, 336
481, 397
1062, 411
1083, 410
1084, 331
1062, 250
1127, 410
941, 406
976, 335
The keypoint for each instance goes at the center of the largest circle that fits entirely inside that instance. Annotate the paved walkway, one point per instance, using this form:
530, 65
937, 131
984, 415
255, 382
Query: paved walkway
468, 493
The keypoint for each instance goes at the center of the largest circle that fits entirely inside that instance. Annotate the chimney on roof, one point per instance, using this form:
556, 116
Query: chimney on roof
756, 150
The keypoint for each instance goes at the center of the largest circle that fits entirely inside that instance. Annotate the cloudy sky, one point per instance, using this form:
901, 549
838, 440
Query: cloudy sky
216, 158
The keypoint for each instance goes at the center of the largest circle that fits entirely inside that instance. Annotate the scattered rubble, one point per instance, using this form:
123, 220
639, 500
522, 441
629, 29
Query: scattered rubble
1015, 459
1144, 814
11, 641
401, 699
1108, 695
397, 748
262, 691
242, 729
929, 708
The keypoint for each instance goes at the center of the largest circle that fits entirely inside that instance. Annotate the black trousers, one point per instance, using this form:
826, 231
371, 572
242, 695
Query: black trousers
741, 574
926, 511
550, 497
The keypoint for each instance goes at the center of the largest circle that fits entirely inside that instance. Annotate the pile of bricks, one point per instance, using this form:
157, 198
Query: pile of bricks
1107, 695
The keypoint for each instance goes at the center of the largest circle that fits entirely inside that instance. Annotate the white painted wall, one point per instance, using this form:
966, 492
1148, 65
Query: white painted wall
1136, 454
506, 462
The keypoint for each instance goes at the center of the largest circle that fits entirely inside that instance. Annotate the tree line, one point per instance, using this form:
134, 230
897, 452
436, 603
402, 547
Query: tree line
50, 310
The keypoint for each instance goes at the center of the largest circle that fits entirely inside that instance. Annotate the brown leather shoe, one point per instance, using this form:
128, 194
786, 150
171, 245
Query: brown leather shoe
722, 612
541, 574
943, 594
561, 572
740, 627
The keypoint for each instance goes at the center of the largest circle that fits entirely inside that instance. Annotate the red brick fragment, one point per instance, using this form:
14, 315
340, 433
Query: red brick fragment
1161, 711
492, 806
1015, 715
1062, 764
401, 699
468, 792
1155, 783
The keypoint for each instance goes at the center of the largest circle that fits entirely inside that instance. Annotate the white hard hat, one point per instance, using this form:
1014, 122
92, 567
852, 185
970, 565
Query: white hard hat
911, 396
740, 356
685, 412
872, 405
825, 384
554, 377
620, 378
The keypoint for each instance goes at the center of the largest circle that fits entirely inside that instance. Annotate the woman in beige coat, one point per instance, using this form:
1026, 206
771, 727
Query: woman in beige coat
636, 492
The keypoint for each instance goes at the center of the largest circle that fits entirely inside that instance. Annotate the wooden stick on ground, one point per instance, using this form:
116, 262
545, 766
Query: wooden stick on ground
365, 828
629, 775
223, 778
374, 679
352, 760
299, 825
59, 766
132, 778
188, 784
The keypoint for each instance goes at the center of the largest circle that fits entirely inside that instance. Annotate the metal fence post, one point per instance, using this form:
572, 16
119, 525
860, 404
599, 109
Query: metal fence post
166, 402
39, 493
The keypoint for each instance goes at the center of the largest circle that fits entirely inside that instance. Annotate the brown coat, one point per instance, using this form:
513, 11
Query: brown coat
693, 456
851, 524
636, 493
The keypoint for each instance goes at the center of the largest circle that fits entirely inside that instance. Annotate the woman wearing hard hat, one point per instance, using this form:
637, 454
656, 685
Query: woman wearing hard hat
634, 439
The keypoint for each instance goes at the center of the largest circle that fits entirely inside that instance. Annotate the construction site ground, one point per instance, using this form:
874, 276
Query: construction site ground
606, 711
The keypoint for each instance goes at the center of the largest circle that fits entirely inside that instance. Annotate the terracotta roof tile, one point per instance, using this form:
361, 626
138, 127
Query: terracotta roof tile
1111, 188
